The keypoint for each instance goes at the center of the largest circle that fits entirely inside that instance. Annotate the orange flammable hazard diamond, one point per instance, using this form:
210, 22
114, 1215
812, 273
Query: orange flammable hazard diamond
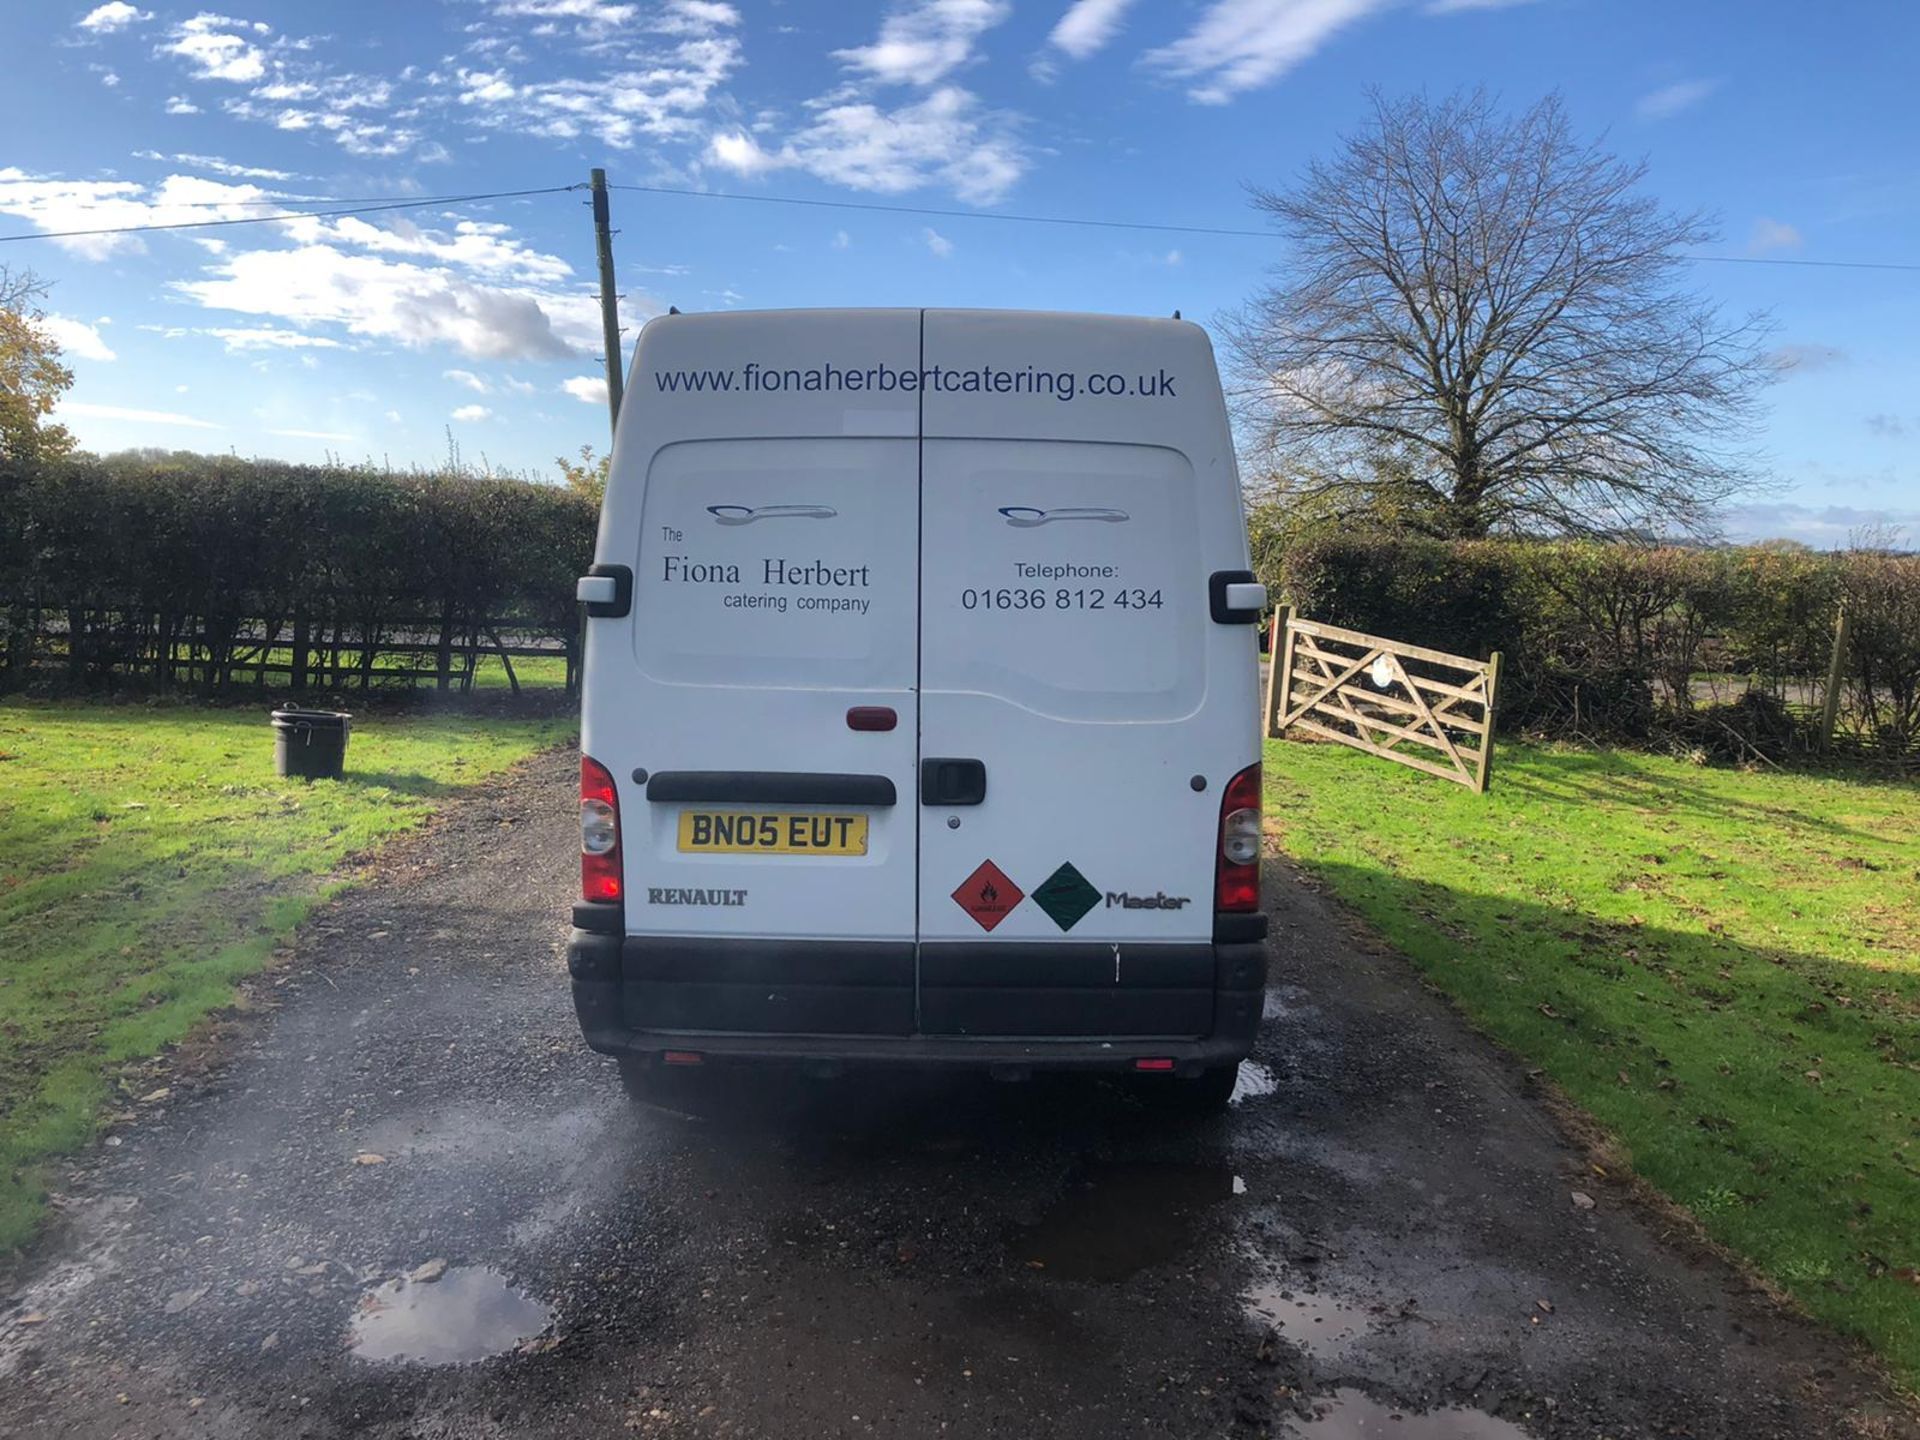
987, 895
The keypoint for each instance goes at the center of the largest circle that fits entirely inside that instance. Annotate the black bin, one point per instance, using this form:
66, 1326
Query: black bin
311, 744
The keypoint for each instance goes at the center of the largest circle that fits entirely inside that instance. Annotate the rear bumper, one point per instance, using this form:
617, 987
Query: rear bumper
1051, 1007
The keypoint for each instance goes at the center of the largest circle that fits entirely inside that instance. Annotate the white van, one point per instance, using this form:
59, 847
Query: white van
919, 720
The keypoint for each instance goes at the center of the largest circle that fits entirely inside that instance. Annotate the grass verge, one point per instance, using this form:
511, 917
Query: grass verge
1722, 967
150, 858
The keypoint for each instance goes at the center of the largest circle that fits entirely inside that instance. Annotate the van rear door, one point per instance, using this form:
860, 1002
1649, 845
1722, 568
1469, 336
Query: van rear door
1071, 752
769, 725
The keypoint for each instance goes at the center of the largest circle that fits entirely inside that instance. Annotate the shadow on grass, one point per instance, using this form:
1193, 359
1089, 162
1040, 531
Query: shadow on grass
1773, 1092
1606, 779
401, 782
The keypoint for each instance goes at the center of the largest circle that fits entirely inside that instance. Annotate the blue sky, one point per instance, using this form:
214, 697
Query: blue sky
369, 337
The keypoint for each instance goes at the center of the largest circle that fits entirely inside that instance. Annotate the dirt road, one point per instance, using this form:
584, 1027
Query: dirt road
1385, 1225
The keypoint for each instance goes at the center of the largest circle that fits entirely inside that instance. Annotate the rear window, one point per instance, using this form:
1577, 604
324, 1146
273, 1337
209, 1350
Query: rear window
1064, 577
779, 563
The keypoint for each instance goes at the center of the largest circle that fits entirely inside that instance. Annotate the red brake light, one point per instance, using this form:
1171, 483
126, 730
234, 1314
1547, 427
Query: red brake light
599, 832
1236, 887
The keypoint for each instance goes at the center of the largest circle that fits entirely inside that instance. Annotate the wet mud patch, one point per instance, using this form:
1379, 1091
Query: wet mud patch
1116, 1219
1323, 1325
468, 1313
1350, 1414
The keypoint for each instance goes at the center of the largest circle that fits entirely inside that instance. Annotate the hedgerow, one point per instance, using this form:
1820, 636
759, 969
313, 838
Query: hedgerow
221, 571
1722, 649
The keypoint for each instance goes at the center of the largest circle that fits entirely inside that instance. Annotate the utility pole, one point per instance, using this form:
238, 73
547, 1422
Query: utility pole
609, 301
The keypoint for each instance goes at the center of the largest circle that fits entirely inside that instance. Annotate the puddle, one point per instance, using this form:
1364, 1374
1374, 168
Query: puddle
1322, 1325
467, 1314
1116, 1219
1255, 1081
1350, 1415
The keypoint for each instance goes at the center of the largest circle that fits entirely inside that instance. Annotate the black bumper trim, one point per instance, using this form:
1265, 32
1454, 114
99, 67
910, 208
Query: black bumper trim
1233, 929
1197, 1004
771, 787
595, 1003
602, 917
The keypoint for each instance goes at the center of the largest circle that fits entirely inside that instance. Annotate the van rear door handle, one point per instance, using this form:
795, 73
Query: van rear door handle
1235, 597
947, 781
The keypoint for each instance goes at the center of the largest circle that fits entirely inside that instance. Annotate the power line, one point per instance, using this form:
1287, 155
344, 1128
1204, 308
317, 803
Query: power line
282, 219
1170, 229
374, 205
273, 198
948, 214
1809, 264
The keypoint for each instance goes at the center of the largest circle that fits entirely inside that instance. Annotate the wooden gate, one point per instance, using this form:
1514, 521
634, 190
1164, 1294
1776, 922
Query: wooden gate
1422, 708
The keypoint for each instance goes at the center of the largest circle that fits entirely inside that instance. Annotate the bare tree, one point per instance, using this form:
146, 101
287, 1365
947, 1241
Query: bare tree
1480, 327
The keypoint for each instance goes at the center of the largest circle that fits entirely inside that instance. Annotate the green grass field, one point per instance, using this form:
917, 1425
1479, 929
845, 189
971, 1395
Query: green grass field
149, 858
1722, 967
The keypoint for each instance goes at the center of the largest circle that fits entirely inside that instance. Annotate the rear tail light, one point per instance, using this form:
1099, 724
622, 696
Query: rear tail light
1236, 887
599, 833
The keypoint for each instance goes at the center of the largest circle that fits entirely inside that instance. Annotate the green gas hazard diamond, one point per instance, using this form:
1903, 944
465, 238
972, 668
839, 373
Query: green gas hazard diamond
1066, 896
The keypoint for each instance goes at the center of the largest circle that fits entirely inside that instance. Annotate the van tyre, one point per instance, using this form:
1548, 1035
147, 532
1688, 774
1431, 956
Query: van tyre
1211, 1092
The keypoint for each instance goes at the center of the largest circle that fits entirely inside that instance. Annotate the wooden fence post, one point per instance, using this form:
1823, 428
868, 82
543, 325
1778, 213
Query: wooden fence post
1483, 773
301, 654
1279, 655
1836, 674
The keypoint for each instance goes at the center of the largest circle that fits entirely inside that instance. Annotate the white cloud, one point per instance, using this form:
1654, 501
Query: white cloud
476, 383
599, 14
180, 105
208, 43
939, 244
1670, 100
109, 79
52, 204
658, 92
1087, 26
1240, 45
926, 40
589, 388
842, 240
473, 285
115, 15
473, 413
77, 337
217, 166
943, 139
474, 244
740, 153
413, 305
242, 339
694, 17
86, 410
1172, 257
1769, 237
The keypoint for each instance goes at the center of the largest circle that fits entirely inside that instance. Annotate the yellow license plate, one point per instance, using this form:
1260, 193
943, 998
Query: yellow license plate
771, 832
